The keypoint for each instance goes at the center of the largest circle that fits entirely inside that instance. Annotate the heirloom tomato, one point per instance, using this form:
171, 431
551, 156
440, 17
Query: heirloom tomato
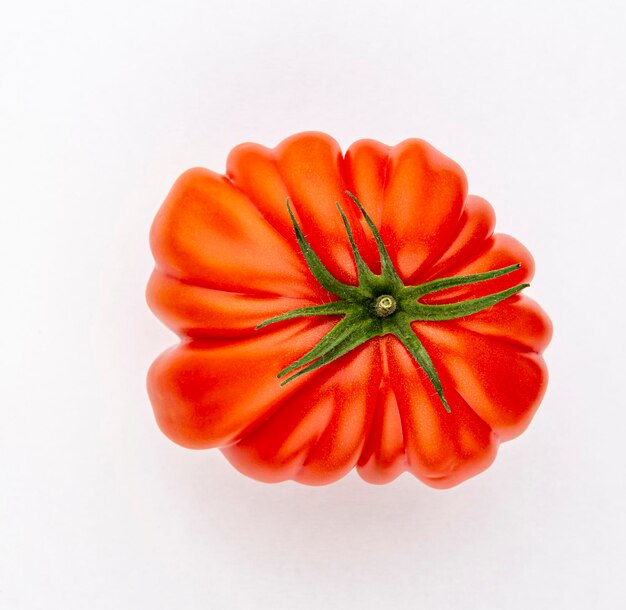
339, 311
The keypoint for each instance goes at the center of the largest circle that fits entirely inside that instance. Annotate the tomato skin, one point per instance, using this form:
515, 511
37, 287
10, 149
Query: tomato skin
227, 259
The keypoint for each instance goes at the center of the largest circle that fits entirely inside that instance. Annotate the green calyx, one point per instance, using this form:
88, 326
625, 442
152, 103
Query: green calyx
379, 305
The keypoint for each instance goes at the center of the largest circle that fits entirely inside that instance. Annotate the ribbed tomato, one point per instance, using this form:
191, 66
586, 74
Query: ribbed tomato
339, 311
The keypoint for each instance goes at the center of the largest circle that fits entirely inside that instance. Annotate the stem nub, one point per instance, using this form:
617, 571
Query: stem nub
385, 305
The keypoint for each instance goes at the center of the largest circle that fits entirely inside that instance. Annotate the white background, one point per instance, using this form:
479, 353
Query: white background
103, 105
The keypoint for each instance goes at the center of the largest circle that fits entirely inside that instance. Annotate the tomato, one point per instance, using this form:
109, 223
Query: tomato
342, 311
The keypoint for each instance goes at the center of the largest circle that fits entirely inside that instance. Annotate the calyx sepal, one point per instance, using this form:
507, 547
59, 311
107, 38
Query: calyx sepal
379, 305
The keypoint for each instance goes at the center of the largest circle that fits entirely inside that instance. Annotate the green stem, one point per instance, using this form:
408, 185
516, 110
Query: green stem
402, 329
321, 274
366, 332
452, 311
415, 292
327, 309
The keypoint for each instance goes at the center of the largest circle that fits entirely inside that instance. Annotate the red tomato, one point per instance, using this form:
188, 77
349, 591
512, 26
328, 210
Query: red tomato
375, 321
